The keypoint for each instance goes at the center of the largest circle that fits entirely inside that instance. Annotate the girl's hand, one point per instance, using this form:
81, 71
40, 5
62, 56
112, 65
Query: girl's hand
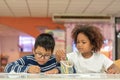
33, 69
113, 69
60, 55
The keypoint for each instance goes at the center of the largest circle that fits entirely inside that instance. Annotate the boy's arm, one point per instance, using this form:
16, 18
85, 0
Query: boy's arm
55, 70
58, 67
17, 66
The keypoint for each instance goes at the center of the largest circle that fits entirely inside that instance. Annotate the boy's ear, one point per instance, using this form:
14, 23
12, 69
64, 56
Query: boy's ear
33, 50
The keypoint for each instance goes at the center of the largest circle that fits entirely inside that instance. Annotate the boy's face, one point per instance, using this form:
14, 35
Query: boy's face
41, 55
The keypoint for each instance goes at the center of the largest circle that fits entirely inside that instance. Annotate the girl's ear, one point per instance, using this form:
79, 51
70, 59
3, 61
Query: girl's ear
92, 47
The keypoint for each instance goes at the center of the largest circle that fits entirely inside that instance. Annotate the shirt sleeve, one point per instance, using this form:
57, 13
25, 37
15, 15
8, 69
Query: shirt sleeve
107, 62
17, 66
57, 64
58, 67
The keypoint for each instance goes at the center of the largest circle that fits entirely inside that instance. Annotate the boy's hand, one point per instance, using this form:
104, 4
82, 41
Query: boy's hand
53, 71
60, 55
33, 69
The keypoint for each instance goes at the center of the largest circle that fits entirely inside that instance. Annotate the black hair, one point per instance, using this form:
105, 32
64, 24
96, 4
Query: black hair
46, 41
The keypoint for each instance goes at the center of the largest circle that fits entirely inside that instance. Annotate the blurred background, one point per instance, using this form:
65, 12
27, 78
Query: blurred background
22, 20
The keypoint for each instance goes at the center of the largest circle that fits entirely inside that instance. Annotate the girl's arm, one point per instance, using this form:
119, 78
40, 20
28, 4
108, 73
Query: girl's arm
60, 55
113, 69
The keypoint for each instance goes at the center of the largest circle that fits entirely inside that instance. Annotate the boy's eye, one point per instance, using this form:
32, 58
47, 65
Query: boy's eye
39, 53
42, 54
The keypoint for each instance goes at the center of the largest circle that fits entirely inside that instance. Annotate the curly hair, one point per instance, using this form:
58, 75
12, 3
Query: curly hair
93, 33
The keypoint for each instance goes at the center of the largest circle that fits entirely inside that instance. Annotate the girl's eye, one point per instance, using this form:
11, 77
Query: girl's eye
83, 42
78, 42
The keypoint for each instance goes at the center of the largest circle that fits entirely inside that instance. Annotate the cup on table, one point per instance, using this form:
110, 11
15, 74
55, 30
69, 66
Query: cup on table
66, 67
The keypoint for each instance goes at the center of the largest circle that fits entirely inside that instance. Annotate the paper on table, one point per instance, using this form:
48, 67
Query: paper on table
13, 74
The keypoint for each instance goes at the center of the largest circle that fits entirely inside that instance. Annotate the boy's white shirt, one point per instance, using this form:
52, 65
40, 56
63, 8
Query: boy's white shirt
97, 63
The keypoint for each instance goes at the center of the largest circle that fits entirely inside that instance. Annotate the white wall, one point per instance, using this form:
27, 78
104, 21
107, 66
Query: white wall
9, 47
0, 45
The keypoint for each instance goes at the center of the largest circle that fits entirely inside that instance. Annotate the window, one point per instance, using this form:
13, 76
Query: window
26, 43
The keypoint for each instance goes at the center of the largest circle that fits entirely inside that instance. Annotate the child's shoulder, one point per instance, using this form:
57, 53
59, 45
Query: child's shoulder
72, 54
28, 56
52, 57
100, 55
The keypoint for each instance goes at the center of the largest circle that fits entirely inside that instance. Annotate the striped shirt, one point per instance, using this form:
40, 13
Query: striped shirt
22, 64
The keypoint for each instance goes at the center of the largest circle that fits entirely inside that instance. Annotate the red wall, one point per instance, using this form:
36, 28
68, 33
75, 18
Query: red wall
28, 24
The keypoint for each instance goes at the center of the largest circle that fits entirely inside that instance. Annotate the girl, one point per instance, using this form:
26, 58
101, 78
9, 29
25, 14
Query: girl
87, 59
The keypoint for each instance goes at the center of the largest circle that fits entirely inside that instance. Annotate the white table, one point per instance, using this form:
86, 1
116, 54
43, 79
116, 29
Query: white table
90, 76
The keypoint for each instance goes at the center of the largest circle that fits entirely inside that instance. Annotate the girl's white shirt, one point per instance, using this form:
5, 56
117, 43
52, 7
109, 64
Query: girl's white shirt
97, 63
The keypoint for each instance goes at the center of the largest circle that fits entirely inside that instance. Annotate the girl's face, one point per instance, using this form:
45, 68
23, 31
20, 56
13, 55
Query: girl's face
83, 44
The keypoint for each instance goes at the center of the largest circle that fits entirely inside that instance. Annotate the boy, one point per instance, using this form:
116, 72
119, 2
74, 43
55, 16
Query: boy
42, 59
